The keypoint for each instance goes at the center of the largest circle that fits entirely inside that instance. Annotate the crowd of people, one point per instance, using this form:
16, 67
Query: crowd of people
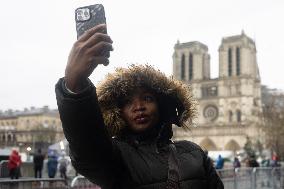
249, 161
54, 163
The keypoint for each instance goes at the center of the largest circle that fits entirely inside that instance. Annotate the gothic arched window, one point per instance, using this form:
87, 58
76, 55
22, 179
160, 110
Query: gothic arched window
238, 60
182, 75
190, 66
230, 62
239, 116
230, 116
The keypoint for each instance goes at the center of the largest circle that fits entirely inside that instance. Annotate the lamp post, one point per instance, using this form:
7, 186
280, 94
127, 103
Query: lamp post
29, 149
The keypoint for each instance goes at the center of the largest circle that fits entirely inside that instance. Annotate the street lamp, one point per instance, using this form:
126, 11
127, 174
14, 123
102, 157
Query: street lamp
29, 149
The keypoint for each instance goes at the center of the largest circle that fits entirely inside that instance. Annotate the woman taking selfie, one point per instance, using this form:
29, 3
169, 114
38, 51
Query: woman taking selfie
120, 132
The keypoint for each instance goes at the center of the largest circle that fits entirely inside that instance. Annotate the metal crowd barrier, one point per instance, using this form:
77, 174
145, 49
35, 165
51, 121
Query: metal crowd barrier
80, 182
253, 178
240, 178
28, 183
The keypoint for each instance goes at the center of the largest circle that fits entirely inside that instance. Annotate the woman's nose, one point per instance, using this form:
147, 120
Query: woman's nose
138, 105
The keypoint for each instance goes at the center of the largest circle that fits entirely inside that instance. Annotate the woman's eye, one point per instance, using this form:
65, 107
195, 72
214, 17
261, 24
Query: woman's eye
127, 101
149, 98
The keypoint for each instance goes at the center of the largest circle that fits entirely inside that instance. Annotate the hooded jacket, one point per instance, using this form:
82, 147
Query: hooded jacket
104, 151
14, 160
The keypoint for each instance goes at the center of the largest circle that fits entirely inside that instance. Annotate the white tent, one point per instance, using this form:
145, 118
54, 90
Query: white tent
5, 151
59, 147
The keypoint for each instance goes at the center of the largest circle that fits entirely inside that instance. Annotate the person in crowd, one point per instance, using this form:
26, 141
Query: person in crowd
38, 163
219, 162
63, 163
120, 133
206, 153
236, 163
252, 161
52, 164
14, 164
274, 160
265, 162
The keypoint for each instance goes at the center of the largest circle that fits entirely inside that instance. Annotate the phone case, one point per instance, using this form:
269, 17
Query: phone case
88, 17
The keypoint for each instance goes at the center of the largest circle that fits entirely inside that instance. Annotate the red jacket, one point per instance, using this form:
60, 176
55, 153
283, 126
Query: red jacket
14, 160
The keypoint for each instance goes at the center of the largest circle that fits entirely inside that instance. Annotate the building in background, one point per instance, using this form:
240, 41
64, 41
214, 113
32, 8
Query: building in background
229, 106
30, 129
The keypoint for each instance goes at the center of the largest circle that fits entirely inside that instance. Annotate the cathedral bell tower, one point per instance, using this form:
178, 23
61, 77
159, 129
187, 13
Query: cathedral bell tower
237, 57
239, 80
191, 61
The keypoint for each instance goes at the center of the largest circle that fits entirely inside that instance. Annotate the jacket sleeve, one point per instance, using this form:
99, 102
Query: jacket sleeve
214, 181
91, 149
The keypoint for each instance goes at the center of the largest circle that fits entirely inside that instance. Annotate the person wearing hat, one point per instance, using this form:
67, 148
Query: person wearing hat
120, 132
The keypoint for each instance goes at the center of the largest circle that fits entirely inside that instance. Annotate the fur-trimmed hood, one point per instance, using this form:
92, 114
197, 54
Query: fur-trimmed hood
176, 96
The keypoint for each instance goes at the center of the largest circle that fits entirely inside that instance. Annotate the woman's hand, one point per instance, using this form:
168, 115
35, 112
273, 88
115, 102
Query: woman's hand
87, 52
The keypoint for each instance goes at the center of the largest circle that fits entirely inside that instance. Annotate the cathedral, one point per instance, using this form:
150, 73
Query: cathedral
229, 107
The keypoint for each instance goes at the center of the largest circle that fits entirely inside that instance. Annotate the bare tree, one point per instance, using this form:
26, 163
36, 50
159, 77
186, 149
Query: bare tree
273, 115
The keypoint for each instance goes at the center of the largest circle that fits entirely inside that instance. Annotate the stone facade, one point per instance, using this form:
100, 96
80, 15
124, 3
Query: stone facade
229, 106
35, 128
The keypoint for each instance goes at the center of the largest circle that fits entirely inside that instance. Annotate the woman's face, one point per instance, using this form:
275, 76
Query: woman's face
141, 111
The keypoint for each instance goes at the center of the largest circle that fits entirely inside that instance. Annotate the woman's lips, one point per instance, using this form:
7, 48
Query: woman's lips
141, 119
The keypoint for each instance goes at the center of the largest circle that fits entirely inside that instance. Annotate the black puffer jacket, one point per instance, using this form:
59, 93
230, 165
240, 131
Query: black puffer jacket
125, 162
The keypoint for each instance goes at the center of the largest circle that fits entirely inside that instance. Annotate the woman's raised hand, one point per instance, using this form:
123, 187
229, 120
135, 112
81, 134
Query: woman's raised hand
87, 52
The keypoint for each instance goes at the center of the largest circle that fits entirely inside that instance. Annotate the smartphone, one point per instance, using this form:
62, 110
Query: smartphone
88, 17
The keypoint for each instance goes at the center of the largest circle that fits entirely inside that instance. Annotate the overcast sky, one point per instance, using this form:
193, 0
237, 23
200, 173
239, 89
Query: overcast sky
36, 37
